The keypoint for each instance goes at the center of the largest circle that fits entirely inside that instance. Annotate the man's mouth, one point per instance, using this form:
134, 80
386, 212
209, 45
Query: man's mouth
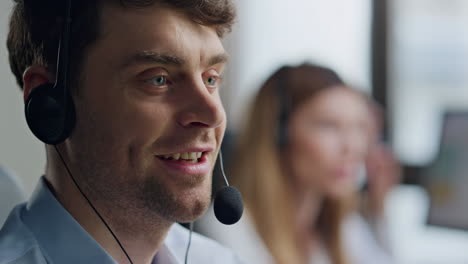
187, 163
189, 157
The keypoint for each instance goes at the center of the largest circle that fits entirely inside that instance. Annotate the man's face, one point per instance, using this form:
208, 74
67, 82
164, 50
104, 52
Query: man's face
150, 120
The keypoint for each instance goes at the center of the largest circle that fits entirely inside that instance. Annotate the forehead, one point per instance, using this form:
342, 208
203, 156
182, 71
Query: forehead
338, 102
158, 29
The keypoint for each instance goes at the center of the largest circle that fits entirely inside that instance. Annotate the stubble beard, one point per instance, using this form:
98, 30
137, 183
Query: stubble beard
128, 196
183, 207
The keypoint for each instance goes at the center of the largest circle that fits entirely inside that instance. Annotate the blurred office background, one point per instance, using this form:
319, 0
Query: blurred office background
410, 55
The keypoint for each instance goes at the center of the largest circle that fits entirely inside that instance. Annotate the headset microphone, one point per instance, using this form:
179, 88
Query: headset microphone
228, 206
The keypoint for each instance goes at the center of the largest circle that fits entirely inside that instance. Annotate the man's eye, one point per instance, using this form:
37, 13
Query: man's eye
212, 81
160, 80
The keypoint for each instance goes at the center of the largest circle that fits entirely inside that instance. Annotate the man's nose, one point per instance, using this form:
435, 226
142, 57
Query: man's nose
201, 107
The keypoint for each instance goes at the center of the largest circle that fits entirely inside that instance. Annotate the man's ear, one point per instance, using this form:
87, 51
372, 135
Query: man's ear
33, 77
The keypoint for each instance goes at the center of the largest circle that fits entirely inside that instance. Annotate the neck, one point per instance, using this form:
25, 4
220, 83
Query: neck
309, 205
140, 237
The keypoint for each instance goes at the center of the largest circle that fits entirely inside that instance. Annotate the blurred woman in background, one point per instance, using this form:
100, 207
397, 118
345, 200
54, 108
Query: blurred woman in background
297, 165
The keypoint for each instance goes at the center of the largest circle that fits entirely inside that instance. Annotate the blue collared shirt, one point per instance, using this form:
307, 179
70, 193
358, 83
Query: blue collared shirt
42, 231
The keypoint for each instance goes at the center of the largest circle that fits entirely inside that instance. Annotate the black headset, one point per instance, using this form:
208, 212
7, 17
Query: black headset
50, 112
49, 109
284, 108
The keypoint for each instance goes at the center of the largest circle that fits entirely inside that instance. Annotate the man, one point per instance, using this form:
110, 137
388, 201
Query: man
144, 78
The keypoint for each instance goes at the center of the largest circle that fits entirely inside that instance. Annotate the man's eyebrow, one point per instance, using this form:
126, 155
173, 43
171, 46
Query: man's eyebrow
154, 58
220, 58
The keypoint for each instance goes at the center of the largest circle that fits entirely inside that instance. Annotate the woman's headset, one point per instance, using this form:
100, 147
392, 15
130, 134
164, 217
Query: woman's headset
284, 108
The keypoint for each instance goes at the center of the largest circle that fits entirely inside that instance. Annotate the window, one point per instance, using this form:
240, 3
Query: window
428, 58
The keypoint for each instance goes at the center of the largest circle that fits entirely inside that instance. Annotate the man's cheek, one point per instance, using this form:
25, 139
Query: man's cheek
221, 130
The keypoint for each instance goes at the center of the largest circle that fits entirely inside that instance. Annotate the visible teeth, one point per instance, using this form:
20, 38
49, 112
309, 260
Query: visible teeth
176, 156
192, 161
188, 156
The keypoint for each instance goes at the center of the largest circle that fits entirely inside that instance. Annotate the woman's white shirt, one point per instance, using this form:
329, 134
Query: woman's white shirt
359, 242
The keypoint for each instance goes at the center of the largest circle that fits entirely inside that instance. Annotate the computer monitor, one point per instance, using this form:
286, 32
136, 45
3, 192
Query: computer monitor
446, 178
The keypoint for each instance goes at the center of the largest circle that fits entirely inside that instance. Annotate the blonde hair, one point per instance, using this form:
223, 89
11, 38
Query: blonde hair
261, 175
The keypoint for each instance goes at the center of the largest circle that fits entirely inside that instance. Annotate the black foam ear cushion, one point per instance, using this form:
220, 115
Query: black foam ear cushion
49, 115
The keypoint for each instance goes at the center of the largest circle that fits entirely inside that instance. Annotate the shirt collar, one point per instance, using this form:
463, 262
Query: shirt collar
60, 236
164, 256
62, 239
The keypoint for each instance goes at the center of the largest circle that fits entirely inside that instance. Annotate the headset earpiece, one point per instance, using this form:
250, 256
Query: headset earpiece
49, 115
49, 109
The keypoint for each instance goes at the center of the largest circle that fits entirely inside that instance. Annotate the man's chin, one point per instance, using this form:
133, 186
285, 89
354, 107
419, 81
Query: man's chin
189, 211
176, 201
